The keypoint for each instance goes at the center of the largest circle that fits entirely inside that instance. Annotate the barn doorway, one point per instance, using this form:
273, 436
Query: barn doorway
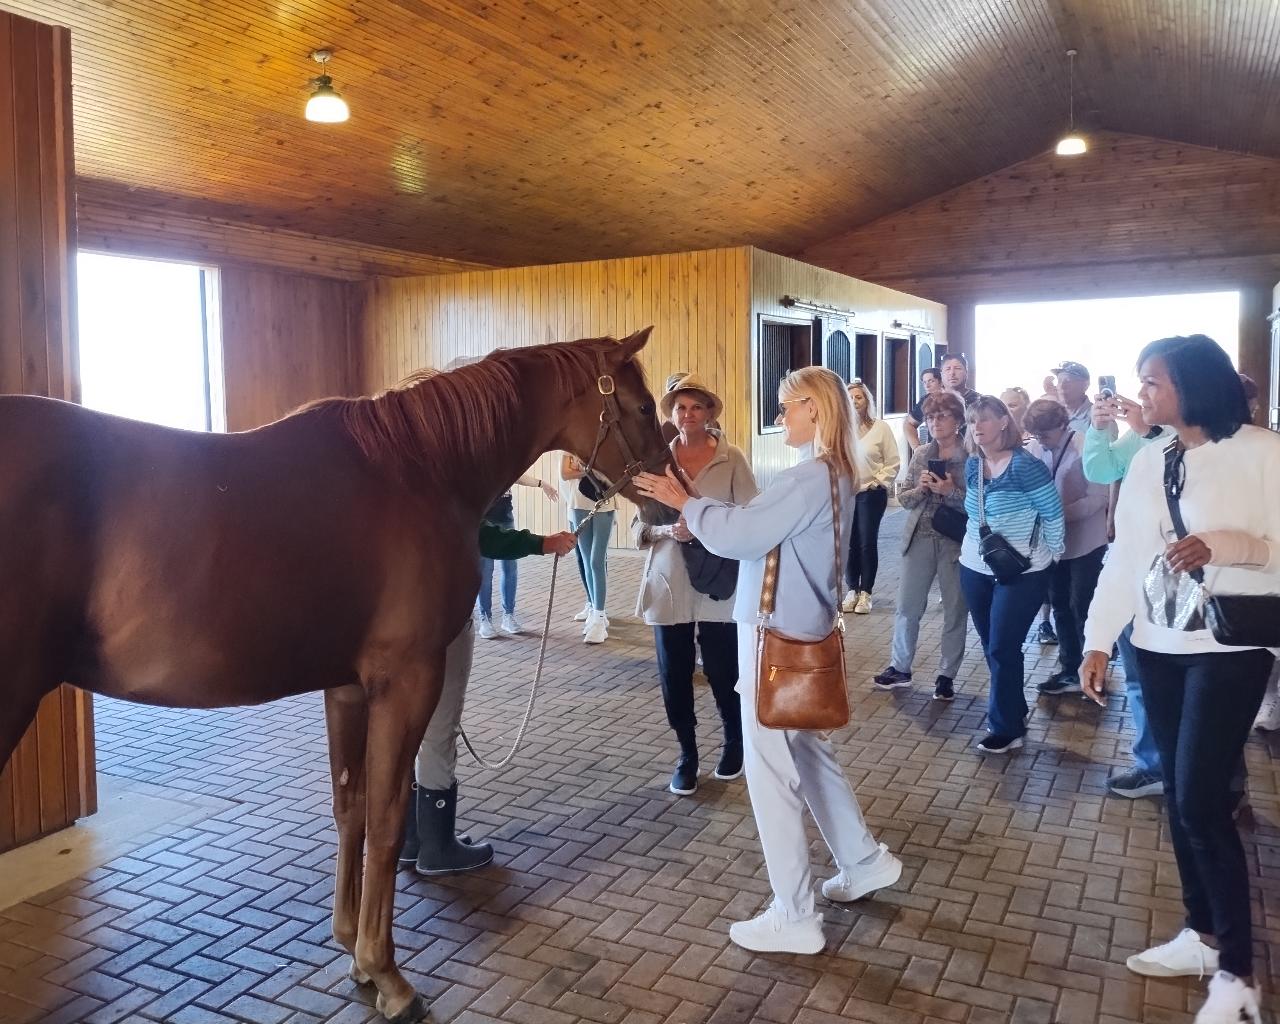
1018, 344
149, 346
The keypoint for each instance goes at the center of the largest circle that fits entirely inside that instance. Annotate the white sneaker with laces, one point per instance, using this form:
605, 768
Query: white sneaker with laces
1268, 719
773, 933
586, 623
863, 879
863, 605
850, 599
583, 615
510, 624
1230, 1001
484, 626
597, 629
1183, 956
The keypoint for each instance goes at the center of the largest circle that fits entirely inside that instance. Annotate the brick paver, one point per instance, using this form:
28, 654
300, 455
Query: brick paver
610, 898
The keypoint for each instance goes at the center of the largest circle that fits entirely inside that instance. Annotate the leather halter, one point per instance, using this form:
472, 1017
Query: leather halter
611, 417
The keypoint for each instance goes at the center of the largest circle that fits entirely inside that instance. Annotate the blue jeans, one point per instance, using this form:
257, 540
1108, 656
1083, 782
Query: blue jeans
593, 553
1002, 613
485, 601
1146, 755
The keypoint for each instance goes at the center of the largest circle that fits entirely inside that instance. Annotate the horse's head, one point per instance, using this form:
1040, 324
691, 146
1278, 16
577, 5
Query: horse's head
617, 421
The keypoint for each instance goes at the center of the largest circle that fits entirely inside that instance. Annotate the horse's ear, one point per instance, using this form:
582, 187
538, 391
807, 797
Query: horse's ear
629, 346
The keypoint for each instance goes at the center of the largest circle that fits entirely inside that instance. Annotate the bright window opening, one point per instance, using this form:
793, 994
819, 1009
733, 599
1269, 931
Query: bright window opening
149, 344
1019, 343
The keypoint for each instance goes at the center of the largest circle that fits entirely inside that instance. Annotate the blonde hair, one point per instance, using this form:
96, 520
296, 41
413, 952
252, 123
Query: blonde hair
1010, 436
836, 439
872, 414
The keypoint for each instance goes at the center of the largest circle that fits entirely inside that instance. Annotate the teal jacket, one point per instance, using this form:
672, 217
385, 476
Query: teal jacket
506, 545
1106, 461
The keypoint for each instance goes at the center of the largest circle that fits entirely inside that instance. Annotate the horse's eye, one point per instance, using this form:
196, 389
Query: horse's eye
647, 408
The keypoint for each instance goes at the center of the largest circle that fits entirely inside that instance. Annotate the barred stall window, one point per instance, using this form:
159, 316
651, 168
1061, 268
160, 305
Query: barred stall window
783, 347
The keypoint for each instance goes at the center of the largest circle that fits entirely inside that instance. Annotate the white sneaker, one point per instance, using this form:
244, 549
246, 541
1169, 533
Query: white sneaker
585, 614
773, 933
510, 624
850, 600
597, 629
861, 880
586, 623
1184, 956
1268, 719
863, 605
1230, 1001
484, 626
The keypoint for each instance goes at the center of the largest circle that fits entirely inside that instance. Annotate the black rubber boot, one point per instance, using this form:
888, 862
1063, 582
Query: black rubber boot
439, 850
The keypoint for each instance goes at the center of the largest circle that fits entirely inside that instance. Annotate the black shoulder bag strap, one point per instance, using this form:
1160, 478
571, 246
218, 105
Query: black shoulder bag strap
1175, 478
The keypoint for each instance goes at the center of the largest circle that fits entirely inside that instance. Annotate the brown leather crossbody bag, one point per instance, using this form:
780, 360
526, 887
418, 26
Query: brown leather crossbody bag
800, 684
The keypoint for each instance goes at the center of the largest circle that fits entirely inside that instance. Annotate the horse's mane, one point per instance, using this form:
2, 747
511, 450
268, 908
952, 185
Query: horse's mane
432, 421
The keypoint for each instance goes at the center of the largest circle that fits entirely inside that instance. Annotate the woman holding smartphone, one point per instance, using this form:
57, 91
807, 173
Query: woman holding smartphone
935, 479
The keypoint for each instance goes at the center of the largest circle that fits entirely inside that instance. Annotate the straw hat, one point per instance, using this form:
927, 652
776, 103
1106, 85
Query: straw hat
689, 382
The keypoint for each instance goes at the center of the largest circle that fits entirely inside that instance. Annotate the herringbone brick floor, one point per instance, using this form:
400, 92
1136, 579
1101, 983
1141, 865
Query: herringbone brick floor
609, 901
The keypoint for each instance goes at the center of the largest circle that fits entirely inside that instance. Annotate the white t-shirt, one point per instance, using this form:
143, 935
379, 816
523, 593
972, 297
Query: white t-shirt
574, 498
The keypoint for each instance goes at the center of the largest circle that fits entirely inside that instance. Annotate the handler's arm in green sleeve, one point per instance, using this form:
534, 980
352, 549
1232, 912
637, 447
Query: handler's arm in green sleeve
506, 545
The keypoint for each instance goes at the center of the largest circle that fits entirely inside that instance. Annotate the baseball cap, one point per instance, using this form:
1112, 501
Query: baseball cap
1073, 369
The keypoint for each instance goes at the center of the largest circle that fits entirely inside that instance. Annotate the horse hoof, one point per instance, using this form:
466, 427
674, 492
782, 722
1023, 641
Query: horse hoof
413, 1011
357, 975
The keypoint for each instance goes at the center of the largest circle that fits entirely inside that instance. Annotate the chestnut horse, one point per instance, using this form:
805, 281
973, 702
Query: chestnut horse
335, 550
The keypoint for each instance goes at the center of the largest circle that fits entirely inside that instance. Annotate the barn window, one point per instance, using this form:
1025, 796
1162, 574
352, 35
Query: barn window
149, 347
837, 355
784, 346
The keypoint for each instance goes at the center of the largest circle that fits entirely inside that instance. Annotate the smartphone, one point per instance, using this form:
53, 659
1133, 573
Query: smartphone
938, 467
1107, 387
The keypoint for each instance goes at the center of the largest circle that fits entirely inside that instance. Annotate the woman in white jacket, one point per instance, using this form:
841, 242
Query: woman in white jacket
1200, 695
787, 769
882, 459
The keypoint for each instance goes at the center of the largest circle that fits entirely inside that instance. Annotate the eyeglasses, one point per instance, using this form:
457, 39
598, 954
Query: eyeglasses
783, 403
856, 380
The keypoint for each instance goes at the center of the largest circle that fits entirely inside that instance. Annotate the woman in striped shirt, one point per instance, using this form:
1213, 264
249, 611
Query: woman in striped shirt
1022, 505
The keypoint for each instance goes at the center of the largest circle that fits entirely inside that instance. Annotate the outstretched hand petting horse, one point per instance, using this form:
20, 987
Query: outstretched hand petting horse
333, 550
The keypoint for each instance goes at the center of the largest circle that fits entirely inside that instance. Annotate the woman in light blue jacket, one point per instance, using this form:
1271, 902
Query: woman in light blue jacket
788, 769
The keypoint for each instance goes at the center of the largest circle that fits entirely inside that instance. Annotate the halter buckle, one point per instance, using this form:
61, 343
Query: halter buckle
604, 383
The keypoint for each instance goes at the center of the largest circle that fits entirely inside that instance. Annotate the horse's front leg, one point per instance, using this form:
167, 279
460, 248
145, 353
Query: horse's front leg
398, 715
347, 719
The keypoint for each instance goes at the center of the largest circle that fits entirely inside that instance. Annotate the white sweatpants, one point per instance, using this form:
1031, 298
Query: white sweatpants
438, 754
787, 769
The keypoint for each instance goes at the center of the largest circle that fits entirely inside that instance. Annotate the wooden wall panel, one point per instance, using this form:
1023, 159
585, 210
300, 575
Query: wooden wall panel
875, 308
49, 780
286, 340
697, 303
1133, 216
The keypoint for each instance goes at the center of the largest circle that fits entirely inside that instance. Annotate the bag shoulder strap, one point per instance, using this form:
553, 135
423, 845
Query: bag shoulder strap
769, 585
1174, 479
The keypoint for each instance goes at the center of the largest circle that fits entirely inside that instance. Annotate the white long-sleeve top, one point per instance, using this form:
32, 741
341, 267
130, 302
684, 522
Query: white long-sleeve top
795, 512
881, 455
1231, 499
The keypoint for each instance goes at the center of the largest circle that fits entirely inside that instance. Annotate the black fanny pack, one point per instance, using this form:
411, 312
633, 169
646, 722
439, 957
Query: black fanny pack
1005, 561
1236, 620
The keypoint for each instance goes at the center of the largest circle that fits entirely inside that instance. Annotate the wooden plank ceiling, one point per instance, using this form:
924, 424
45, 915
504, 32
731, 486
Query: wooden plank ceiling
527, 131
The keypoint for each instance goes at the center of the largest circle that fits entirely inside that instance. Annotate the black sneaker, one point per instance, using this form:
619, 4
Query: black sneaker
1045, 634
1135, 783
684, 780
1060, 682
944, 688
993, 744
891, 679
730, 766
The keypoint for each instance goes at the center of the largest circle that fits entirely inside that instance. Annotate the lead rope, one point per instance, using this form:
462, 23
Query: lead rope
537, 673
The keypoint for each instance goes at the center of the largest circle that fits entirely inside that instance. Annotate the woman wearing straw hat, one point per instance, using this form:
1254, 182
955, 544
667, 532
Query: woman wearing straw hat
686, 593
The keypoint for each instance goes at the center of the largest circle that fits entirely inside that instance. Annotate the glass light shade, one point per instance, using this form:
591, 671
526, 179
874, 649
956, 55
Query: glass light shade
326, 106
1071, 145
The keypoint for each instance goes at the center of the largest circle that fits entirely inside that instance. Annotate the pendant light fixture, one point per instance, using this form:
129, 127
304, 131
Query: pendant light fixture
325, 105
1071, 144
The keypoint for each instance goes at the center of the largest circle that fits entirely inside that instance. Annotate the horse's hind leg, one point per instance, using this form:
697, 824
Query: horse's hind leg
346, 717
398, 715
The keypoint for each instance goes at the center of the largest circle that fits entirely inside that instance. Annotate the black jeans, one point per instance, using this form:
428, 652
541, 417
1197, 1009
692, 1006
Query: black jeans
1072, 582
1200, 708
864, 541
675, 647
